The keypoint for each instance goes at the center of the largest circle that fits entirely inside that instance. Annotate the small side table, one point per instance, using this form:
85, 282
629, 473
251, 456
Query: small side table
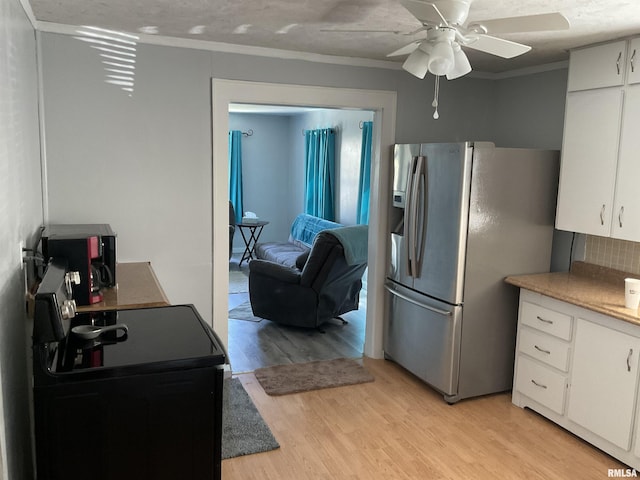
255, 229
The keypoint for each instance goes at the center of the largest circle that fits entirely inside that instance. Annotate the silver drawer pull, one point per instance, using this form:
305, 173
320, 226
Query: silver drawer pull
629, 359
602, 214
633, 61
538, 384
542, 350
544, 320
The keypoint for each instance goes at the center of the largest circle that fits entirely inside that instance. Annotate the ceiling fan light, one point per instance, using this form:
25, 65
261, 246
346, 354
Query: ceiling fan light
417, 63
441, 61
461, 65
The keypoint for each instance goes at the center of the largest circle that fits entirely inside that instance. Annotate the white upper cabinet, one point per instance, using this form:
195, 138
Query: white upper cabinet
633, 68
597, 67
626, 210
600, 166
589, 155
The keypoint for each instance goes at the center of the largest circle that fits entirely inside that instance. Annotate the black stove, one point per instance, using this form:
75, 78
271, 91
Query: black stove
142, 400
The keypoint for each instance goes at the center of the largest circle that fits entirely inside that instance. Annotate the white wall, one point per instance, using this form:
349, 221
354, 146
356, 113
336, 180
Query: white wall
20, 217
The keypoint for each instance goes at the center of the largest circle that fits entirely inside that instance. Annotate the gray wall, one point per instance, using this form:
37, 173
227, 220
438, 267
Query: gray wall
529, 110
20, 217
273, 165
143, 163
265, 172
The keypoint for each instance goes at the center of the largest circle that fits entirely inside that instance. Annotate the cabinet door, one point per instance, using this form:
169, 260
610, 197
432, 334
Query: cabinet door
633, 65
589, 157
597, 67
604, 381
626, 212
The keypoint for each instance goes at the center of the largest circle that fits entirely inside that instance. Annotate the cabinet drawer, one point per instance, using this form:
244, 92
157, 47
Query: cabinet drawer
541, 384
546, 320
545, 348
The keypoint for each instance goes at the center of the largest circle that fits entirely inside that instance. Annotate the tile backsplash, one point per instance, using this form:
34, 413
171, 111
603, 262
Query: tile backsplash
612, 253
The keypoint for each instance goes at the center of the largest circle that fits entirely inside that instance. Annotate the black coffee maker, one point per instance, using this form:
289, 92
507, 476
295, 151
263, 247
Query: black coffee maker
89, 249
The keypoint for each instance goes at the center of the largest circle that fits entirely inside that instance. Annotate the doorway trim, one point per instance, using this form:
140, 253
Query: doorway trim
383, 104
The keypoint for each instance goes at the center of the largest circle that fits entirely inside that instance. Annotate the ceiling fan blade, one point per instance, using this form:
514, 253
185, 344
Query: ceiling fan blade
426, 12
498, 46
527, 23
407, 49
338, 30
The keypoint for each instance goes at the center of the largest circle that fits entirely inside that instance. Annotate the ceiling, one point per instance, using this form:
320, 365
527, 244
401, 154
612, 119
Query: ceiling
300, 25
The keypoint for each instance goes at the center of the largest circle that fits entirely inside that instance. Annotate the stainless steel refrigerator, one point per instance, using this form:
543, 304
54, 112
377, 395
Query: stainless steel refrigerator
463, 217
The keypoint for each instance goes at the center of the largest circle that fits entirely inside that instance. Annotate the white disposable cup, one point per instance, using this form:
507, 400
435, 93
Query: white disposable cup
631, 293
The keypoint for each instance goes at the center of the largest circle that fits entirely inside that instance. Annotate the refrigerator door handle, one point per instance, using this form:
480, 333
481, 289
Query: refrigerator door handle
415, 209
409, 216
421, 215
415, 302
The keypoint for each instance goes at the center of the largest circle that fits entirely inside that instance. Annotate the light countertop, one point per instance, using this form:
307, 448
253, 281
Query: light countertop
589, 286
137, 287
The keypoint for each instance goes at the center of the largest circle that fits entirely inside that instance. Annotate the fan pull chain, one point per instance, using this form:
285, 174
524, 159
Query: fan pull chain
434, 104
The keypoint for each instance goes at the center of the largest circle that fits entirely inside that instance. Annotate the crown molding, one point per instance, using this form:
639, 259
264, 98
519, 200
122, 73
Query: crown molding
234, 48
520, 72
26, 6
166, 41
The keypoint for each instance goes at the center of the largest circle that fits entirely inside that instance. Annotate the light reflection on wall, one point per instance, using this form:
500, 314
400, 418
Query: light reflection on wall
118, 54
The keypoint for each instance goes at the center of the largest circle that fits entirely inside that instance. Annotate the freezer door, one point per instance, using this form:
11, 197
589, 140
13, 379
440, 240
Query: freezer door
442, 219
423, 335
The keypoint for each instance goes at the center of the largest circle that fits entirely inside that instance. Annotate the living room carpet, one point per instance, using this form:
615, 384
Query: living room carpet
243, 429
243, 312
302, 377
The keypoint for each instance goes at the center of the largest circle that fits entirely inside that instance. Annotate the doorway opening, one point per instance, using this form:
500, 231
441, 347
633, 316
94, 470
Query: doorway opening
272, 160
383, 104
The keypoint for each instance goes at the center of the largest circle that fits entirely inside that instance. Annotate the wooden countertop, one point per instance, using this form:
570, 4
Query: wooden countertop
589, 286
137, 287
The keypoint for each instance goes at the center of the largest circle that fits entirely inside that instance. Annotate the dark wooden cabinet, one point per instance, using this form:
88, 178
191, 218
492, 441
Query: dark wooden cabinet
155, 426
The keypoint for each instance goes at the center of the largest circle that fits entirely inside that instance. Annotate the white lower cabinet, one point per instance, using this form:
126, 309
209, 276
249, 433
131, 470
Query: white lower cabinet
580, 371
604, 381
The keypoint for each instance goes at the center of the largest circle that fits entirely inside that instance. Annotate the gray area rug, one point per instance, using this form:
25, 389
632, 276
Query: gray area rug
243, 312
302, 377
243, 429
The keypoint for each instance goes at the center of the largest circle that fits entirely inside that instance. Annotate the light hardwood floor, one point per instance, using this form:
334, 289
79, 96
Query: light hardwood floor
398, 428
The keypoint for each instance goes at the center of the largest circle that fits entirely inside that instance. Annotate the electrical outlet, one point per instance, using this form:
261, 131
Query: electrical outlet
21, 254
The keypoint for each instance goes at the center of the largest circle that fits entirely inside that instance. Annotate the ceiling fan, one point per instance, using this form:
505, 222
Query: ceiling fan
441, 54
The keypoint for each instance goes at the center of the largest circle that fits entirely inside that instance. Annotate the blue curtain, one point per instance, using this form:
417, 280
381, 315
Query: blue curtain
235, 172
365, 174
320, 160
